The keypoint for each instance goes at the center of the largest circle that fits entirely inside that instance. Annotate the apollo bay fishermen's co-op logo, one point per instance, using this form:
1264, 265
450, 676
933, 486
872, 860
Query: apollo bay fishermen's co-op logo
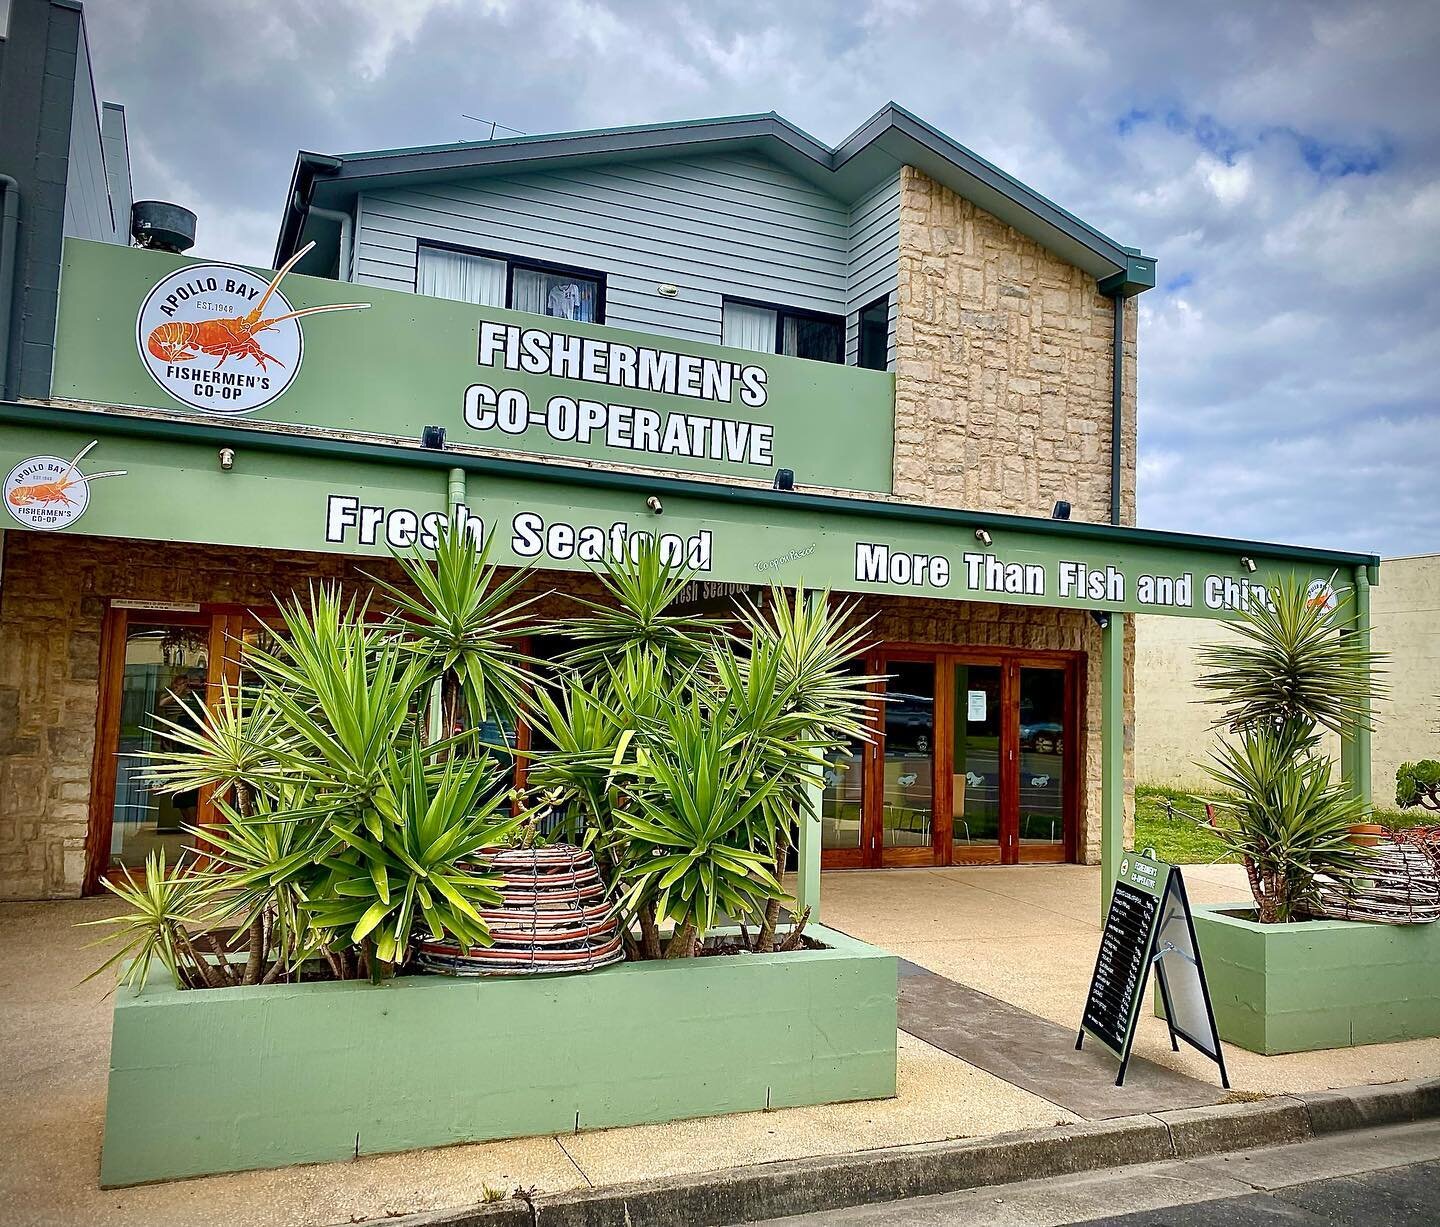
219, 311
49, 492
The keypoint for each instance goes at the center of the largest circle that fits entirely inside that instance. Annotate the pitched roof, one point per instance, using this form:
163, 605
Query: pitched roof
875, 151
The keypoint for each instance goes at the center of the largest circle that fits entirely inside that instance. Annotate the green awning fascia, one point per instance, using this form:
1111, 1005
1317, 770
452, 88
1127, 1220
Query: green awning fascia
223, 434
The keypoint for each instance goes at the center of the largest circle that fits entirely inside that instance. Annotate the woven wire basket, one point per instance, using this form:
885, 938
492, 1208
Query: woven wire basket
554, 918
1394, 883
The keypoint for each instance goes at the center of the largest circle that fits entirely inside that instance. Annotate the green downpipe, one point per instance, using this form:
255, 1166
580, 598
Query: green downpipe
455, 490
1112, 756
1117, 410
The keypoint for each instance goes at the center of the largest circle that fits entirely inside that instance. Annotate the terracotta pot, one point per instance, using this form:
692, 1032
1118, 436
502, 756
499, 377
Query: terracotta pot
1366, 834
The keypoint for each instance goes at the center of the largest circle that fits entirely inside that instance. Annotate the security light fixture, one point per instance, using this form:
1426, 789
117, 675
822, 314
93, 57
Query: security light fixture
1101, 618
1061, 510
1248, 563
433, 437
982, 536
227, 458
654, 504
785, 479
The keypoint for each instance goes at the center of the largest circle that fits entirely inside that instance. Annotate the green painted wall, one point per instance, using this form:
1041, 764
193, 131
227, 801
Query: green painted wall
177, 491
228, 1079
407, 360
1318, 984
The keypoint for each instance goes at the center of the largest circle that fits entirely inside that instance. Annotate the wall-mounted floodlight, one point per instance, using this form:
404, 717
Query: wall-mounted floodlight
982, 536
655, 505
227, 458
1248, 563
433, 437
785, 479
1061, 510
1101, 619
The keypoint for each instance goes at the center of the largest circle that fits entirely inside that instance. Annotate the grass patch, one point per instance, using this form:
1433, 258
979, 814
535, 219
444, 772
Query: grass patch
1165, 819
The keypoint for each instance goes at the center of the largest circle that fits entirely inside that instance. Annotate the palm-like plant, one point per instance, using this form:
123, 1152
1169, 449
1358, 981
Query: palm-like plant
694, 856
462, 619
167, 905
1289, 672
1288, 821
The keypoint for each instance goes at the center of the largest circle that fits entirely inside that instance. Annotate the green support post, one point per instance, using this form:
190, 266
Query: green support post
1360, 747
807, 860
1112, 756
807, 855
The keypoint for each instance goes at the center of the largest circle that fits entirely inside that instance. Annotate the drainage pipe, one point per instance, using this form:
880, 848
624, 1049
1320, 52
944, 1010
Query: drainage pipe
455, 491
9, 224
1117, 411
342, 264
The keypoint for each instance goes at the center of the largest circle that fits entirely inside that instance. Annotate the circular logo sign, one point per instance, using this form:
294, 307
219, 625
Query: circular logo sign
219, 338
1321, 595
46, 492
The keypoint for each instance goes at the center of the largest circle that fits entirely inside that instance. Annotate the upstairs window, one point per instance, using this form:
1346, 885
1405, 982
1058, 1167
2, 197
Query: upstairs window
875, 335
783, 330
497, 281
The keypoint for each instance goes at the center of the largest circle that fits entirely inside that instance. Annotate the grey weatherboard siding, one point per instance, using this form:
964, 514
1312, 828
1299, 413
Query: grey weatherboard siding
737, 226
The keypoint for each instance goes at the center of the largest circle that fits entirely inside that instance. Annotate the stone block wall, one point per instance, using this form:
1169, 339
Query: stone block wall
1003, 360
54, 591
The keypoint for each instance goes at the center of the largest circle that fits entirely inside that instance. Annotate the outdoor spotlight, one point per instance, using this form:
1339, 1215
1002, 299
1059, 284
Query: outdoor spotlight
654, 504
1102, 619
227, 458
433, 437
982, 536
785, 479
1248, 563
1061, 510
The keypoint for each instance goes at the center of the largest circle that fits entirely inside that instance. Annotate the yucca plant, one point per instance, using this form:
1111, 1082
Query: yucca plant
404, 860
1288, 672
171, 908
1287, 819
462, 620
693, 856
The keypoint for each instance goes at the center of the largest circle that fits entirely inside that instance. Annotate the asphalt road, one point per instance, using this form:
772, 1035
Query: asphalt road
1376, 1178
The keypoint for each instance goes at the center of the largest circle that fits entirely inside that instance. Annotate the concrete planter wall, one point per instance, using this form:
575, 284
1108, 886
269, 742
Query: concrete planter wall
1319, 983
219, 1080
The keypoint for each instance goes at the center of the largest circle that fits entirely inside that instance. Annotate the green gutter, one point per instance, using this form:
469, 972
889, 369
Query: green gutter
220, 434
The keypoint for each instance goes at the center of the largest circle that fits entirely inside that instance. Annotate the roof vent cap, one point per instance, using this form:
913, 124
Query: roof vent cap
162, 226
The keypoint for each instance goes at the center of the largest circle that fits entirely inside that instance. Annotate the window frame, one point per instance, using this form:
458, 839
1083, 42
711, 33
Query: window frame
512, 262
882, 301
781, 311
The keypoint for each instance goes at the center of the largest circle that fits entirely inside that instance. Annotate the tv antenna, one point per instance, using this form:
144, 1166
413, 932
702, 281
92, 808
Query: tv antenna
494, 124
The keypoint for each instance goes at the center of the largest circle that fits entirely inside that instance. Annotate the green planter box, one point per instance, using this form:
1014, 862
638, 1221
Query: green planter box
1319, 983
218, 1080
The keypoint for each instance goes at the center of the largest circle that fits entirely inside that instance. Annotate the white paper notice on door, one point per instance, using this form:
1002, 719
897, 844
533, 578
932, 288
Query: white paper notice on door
975, 712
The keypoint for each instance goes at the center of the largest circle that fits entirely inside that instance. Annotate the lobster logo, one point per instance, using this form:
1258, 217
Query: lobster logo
220, 339
47, 492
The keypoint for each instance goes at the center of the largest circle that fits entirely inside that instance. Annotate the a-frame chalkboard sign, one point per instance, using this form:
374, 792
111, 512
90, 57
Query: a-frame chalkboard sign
1149, 925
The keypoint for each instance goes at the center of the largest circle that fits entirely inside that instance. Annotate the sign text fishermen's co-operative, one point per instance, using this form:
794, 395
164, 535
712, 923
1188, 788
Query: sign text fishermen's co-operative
569, 419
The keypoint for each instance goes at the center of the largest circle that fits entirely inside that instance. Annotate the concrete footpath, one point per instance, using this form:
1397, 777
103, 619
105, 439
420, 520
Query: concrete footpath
1023, 936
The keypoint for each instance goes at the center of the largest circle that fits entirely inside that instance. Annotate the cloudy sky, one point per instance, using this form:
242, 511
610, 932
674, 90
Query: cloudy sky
1282, 161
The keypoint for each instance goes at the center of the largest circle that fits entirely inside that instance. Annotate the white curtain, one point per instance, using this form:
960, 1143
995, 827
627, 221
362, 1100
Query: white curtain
466, 278
746, 327
555, 294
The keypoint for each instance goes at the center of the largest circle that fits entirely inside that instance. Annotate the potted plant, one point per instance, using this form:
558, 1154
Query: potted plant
359, 786
1282, 981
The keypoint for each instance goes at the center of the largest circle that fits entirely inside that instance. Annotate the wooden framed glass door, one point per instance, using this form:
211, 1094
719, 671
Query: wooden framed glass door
974, 761
154, 664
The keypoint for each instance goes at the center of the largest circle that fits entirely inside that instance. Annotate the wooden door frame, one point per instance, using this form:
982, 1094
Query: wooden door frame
945, 656
225, 623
